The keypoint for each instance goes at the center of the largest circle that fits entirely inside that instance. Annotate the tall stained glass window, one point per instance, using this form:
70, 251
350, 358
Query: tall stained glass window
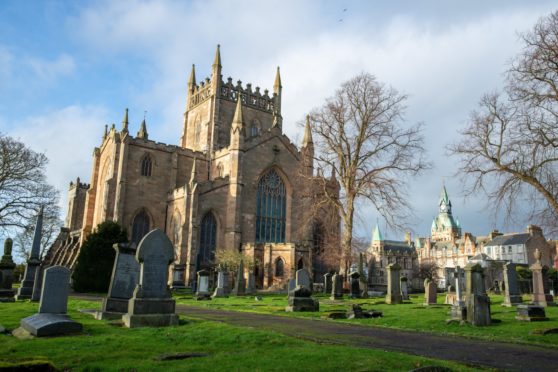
140, 226
271, 209
208, 234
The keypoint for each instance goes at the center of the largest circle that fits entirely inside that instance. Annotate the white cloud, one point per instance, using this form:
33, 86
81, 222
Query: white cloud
67, 137
49, 70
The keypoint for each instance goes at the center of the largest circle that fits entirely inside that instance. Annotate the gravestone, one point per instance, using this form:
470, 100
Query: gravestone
355, 285
327, 283
393, 295
202, 292
301, 300
362, 278
123, 282
336, 287
220, 290
7, 267
251, 285
26, 290
178, 276
403, 283
530, 313
430, 292
476, 299
539, 296
240, 283
303, 279
37, 287
151, 303
546, 287
512, 296
458, 310
291, 285
52, 319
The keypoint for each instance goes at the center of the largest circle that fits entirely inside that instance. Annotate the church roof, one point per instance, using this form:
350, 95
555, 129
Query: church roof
399, 247
444, 196
510, 239
377, 234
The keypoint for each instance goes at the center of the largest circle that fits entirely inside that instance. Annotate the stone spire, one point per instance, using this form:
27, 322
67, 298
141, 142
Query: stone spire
217, 60
377, 234
238, 120
125, 122
105, 135
142, 133
192, 79
277, 86
307, 139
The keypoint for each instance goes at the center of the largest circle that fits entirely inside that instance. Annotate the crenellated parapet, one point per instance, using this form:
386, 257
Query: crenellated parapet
200, 93
251, 98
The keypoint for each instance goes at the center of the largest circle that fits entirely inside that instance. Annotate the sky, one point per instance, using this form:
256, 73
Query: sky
67, 68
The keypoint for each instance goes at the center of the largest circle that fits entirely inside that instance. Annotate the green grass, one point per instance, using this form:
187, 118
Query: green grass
106, 346
408, 316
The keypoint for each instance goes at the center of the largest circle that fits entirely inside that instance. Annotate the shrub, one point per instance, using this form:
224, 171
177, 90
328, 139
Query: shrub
96, 258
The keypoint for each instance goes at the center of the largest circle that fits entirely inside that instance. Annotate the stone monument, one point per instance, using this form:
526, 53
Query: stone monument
393, 295
327, 283
300, 299
336, 287
430, 292
403, 283
202, 292
151, 303
476, 299
222, 284
362, 279
7, 267
458, 310
123, 281
240, 283
52, 319
539, 296
303, 278
251, 284
26, 289
512, 296
355, 285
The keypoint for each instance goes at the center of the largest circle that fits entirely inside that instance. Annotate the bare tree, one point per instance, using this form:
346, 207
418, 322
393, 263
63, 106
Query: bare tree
23, 187
509, 149
359, 136
427, 270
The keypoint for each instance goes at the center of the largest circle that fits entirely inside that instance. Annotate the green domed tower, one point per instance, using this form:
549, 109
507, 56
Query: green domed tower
444, 226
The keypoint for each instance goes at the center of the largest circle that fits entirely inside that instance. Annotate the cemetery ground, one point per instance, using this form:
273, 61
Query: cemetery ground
204, 345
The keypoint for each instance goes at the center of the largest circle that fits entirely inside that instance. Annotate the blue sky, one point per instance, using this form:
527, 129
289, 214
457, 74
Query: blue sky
67, 68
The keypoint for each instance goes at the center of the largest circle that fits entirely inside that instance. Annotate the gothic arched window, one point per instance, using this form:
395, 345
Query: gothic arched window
255, 128
208, 235
271, 209
140, 226
146, 165
279, 267
317, 238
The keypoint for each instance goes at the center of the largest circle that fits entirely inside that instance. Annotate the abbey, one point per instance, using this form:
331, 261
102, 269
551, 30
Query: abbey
235, 181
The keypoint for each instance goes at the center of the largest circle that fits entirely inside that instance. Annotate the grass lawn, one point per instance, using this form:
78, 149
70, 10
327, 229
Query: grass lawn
107, 346
409, 316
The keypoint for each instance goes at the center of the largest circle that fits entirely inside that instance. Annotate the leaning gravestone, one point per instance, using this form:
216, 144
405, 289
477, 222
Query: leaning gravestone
327, 283
202, 292
26, 289
476, 299
7, 267
220, 290
124, 279
336, 287
52, 319
151, 303
240, 283
512, 296
355, 285
403, 282
430, 292
393, 295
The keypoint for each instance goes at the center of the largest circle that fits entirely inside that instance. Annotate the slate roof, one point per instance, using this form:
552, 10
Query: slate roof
398, 247
510, 239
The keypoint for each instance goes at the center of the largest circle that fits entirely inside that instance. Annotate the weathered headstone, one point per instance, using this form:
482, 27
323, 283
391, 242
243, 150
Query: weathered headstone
430, 292
355, 285
240, 283
7, 267
202, 292
327, 283
26, 290
291, 285
362, 278
303, 279
393, 295
546, 288
251, 284
52, 319
37, 287
336, 287
301, 300
178, 276
151, 303
530, 313
220, 290
458, 310
512, 296
403, 283
476, 299
539, 296
123, 281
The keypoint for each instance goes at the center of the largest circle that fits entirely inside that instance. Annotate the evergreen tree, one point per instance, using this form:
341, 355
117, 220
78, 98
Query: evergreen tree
96, 258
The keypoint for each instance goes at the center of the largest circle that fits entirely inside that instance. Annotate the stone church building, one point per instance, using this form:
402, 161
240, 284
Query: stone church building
235, 181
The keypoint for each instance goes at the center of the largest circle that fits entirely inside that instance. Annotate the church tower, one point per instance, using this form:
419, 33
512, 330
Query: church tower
444, 227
